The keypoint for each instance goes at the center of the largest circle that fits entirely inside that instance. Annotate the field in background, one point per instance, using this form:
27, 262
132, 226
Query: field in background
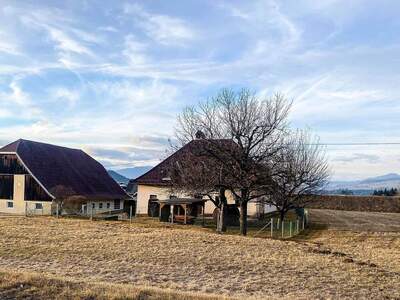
355, 220
319, 263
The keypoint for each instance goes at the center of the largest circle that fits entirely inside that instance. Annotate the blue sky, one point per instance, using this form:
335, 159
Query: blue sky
111, 76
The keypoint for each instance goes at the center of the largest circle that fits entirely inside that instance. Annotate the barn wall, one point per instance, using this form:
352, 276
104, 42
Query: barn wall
20, 206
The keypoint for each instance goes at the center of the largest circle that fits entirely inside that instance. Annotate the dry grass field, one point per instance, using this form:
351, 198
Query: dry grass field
356, 220
84, 259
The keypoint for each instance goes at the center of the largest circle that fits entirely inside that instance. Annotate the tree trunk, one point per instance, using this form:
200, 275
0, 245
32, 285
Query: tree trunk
282, 214
243, 217
224, 210
221, 223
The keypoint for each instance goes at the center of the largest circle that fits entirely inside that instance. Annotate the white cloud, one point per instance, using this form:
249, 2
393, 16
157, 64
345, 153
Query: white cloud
65, 95
164, 29
17, 103
108, 28
7, 45
144, 96
134, 50
66, 43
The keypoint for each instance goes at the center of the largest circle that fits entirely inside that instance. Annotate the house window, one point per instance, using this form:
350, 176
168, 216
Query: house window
100, 205
117, 204
38, 206
10, 204
93, 205
108, 205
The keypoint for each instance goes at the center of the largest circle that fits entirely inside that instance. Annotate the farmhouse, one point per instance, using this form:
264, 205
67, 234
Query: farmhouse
36, 178
155, 196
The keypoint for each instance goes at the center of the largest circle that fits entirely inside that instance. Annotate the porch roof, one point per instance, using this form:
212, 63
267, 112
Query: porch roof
178, 201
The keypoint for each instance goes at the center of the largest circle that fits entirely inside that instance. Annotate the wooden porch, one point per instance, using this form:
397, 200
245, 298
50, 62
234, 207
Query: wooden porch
181, 210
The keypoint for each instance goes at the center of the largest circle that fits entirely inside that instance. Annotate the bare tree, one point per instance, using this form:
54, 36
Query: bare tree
199, 174
67, 201
254, 125
300, 171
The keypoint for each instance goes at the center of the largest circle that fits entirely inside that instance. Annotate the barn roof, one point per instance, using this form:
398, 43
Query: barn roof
65, 172
158, 175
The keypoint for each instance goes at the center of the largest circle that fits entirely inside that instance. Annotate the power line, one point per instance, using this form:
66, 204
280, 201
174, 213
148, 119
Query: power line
357, 144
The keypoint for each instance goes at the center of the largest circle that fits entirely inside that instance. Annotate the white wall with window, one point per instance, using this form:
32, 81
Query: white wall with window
102, 206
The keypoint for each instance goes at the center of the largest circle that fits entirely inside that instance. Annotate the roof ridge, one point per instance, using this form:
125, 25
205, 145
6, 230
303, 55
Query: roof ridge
164, 160
18, 143
47, 144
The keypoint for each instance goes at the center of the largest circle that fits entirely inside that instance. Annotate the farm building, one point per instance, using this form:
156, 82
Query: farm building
36, 178
155, 197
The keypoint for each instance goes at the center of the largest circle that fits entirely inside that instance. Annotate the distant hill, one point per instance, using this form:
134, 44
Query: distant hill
368, 185
384, 178
134, 172
118, 177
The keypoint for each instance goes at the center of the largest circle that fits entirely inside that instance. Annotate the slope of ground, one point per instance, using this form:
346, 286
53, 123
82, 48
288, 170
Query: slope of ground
200, 262
355, 220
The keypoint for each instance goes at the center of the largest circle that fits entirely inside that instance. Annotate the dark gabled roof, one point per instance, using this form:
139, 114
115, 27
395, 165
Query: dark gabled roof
11, 147
158, 175
66, 172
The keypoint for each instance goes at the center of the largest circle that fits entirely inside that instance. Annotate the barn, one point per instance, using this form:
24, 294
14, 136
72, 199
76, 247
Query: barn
39, 178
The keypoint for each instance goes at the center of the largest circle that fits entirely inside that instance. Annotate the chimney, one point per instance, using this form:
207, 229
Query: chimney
200, 135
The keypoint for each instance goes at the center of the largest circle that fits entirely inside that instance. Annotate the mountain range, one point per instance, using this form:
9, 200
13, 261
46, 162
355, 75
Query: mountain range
134, 172
124, 175
391, 180
118, 177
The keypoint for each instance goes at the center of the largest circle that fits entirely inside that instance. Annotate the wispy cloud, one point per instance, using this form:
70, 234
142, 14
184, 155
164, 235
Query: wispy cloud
115, 80
66, 96
162, 28
135, 51
355, 157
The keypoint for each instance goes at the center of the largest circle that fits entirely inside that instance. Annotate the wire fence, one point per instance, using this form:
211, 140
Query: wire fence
285, 228
92, 212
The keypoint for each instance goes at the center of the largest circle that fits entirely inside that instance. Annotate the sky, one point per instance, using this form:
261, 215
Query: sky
110, 77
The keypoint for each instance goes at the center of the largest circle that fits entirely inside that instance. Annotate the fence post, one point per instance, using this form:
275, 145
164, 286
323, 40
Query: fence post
272, 227
91, 211
130, 213
290, 229
57, 211
303, 222
283, 228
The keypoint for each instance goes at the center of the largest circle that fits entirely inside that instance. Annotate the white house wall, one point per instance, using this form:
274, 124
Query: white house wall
162, 193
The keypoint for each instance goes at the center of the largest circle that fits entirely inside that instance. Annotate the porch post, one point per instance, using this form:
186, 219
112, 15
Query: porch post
172, 213
203, 213
185, 209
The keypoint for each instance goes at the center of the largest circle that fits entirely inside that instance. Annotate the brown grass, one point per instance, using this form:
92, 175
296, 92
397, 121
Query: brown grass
322, 265
22, 285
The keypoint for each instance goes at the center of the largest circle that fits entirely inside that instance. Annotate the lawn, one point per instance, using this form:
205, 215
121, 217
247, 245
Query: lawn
99, 257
